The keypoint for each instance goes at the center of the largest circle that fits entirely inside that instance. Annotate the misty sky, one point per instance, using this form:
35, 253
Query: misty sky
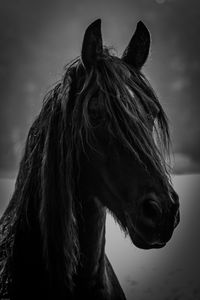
38, 37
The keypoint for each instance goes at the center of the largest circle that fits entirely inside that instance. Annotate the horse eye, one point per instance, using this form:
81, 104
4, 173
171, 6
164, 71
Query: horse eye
154, 111
152, 114
150, 118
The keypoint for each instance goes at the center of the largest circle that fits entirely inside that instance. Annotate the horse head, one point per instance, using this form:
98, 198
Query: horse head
125, 140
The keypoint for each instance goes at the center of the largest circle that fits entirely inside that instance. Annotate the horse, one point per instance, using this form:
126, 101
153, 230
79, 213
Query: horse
98, 144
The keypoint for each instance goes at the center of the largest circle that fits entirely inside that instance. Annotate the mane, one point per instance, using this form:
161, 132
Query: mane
126, 98
48, 178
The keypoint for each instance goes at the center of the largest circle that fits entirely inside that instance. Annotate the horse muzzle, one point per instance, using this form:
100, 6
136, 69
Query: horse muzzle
155, 221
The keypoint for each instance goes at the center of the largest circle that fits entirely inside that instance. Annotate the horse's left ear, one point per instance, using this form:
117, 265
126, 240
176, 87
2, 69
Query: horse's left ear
138, 48
92, 46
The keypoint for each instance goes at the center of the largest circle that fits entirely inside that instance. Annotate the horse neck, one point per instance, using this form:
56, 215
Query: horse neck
92, 240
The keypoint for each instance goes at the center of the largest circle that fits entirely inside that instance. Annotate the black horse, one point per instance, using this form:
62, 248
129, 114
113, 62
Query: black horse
98, 143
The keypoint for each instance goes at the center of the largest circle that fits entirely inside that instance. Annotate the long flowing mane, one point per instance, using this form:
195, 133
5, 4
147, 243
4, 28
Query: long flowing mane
47, 185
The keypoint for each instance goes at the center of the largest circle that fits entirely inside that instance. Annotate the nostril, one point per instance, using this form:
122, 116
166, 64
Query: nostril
151, 210
175, 199
177, 219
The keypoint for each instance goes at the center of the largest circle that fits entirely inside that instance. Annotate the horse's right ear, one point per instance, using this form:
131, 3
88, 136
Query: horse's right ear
92, 46
137, 51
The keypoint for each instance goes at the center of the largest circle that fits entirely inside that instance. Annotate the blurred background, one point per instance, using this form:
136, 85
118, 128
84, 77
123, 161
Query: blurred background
39, 37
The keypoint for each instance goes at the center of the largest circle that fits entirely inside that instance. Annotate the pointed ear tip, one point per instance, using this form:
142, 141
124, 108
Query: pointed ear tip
96, 23
142, 25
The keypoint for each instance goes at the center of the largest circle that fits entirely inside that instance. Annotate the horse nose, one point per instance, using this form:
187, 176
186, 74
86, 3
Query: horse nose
151, 210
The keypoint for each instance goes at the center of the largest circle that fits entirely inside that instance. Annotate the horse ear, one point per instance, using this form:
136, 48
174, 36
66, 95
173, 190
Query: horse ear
138, 48
92, 46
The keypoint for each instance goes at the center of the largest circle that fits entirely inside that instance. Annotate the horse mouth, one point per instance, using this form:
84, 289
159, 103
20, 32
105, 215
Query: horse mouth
146, 236
139, 242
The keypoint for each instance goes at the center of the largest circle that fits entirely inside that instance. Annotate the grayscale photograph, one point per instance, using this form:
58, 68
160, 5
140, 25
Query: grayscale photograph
99, 150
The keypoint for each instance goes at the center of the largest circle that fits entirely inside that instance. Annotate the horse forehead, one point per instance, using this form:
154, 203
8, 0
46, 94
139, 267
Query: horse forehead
130, 91
153, 107
133, 96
